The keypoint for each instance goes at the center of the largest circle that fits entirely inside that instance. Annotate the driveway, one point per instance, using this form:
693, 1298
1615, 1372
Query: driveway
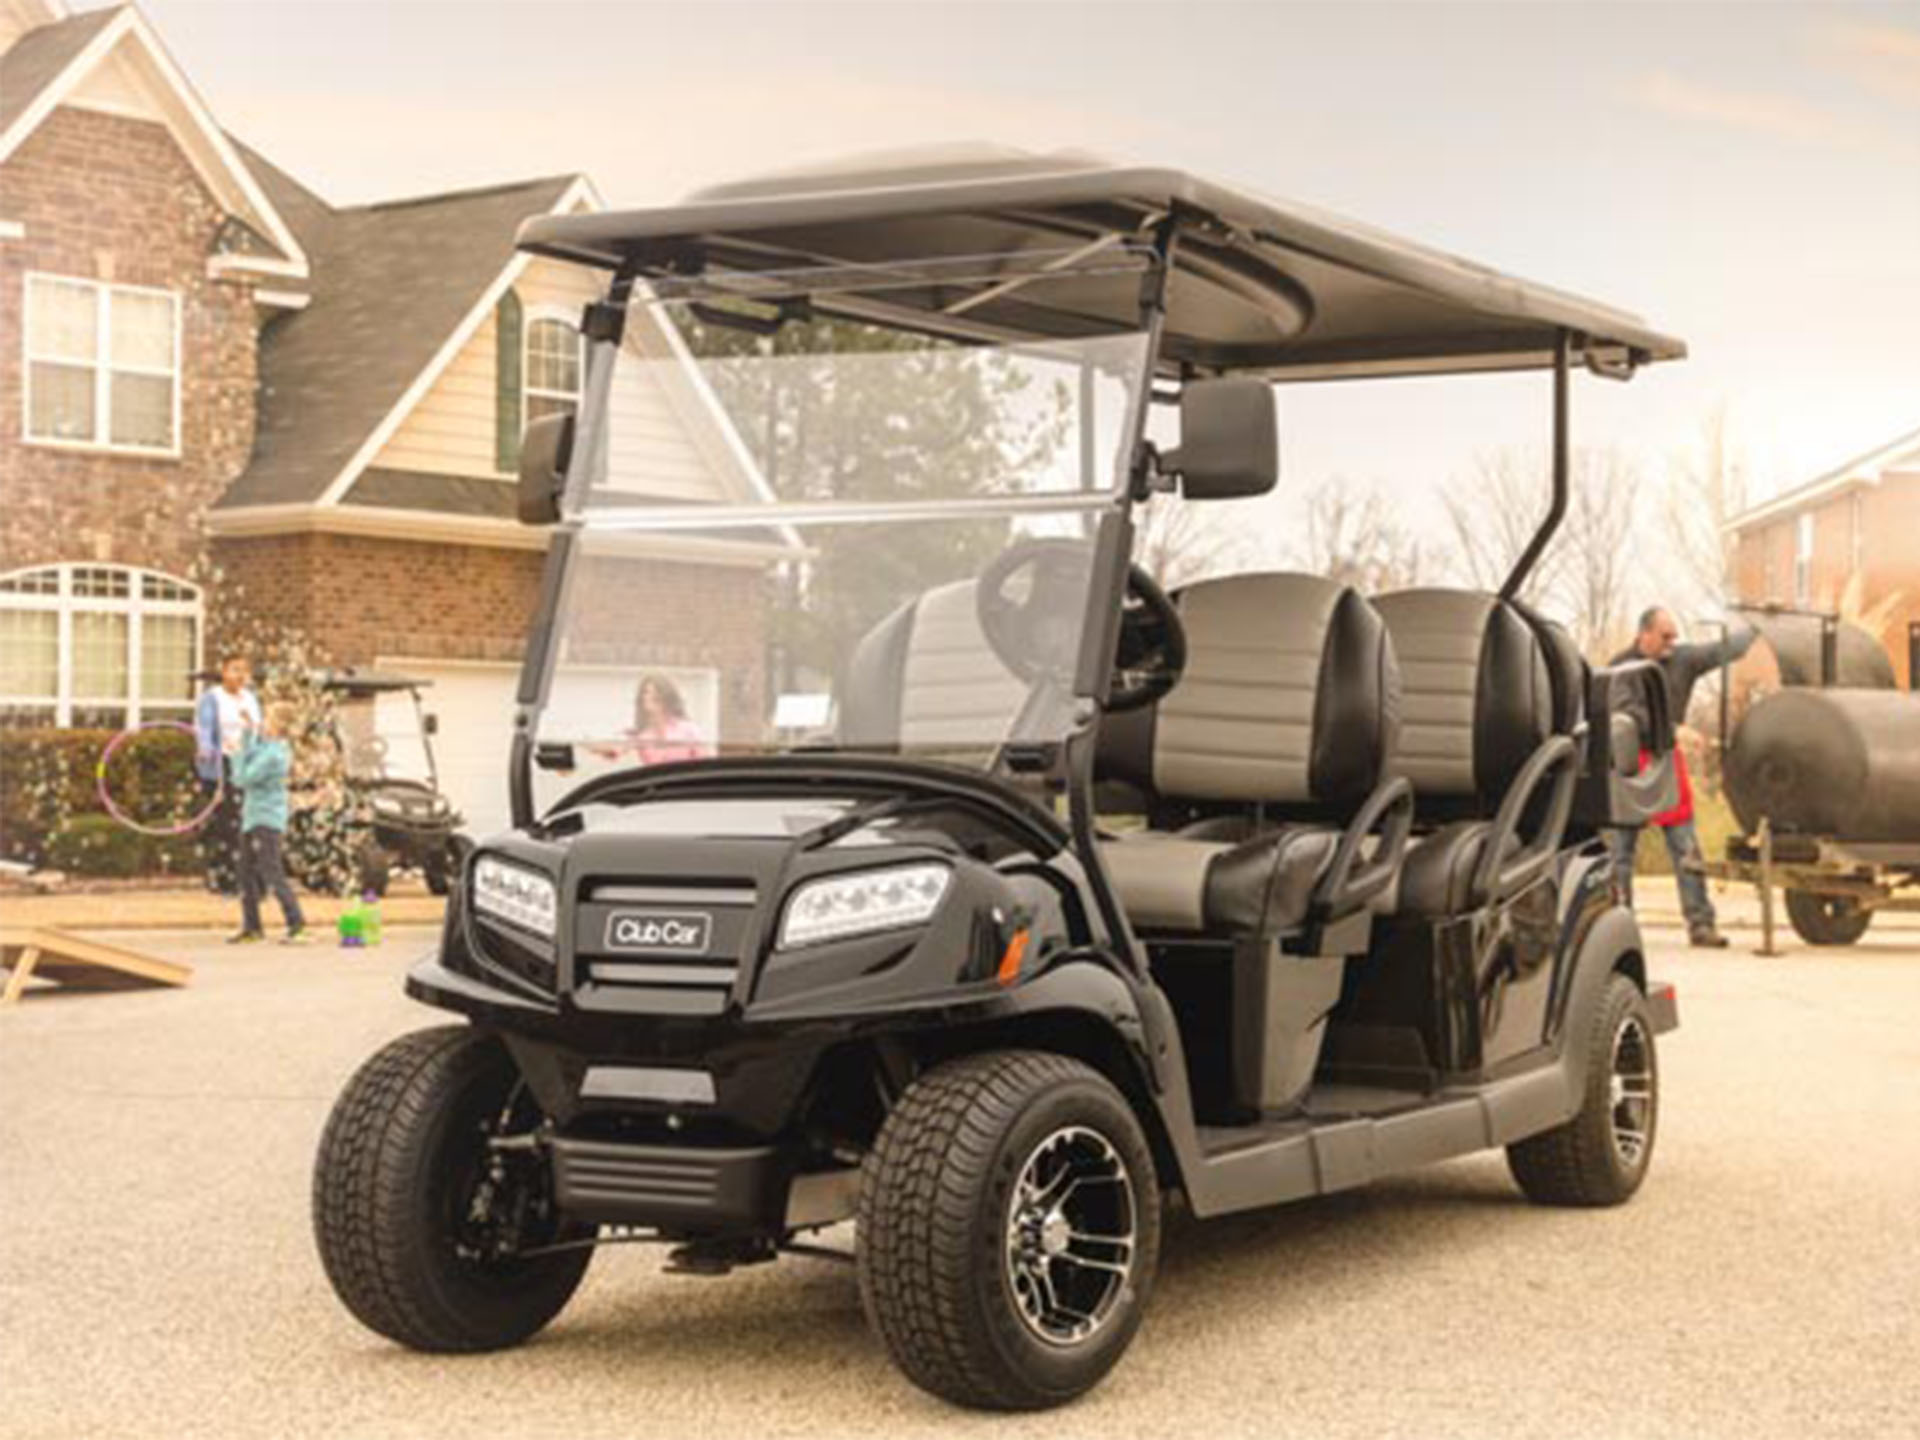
156, 1274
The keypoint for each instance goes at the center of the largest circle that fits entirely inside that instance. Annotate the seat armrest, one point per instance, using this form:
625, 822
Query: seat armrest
1343, 890
1556, 763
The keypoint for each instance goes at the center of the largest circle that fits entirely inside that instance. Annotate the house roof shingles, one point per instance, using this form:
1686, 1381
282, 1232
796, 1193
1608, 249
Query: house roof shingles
41, 56
391, 283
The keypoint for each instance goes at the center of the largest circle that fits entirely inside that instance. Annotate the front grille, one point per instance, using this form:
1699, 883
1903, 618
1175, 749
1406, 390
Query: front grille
663, 945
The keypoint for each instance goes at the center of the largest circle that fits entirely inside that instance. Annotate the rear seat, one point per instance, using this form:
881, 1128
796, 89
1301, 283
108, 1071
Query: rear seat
1493, 702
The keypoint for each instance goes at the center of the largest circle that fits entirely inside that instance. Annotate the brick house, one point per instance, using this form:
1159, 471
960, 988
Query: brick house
1854, 525
214, 384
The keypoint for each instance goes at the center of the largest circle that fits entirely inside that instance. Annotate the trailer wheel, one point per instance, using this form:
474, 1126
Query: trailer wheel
1009, 1230
1600, 1156
420, 1221
1827, 919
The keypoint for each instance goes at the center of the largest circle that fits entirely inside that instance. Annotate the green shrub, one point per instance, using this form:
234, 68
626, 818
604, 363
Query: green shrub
48, 786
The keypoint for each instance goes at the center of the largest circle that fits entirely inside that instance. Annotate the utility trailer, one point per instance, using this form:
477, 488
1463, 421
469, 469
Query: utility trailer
1824, 777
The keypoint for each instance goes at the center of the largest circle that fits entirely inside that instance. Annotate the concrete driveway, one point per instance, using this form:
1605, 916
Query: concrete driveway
157, 1278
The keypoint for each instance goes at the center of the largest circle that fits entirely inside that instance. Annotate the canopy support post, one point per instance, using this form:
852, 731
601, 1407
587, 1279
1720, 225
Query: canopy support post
1562, 456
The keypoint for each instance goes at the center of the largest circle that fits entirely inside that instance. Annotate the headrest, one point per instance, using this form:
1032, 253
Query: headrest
1478, 696
1290, 697
926, 678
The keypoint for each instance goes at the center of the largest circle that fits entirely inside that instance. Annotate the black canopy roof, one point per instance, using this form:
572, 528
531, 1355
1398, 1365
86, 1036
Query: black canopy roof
1051, 247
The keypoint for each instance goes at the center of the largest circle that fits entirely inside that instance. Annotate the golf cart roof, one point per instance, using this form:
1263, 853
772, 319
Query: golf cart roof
1024, 247
367, 682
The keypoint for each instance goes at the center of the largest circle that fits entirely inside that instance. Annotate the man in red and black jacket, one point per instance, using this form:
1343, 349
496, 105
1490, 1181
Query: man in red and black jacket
1682, 666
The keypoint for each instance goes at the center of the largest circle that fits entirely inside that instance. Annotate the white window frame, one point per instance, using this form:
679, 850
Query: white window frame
1803, 559
532, 316
65, 604
102, 365
1856, 534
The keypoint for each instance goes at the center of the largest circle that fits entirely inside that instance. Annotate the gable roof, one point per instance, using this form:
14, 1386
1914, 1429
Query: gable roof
46, 64
397, 288
1862, 470
40, 57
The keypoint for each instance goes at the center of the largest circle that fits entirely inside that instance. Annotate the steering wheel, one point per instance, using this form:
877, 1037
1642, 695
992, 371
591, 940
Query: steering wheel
1152, 650
1031, 601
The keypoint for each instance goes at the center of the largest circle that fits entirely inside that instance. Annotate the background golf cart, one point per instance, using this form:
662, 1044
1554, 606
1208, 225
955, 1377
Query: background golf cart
1822, 768
389, 813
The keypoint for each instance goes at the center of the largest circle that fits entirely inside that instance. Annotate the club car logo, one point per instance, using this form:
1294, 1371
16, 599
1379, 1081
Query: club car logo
684, 932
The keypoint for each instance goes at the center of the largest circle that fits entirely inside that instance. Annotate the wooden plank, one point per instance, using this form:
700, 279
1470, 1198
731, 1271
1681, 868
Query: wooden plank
22, 971
84, 964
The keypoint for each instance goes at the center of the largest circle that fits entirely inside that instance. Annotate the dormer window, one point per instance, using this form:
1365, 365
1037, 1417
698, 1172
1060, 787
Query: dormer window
102, 365
553, 367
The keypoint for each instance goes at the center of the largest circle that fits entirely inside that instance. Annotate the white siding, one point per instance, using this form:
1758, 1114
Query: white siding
664, 444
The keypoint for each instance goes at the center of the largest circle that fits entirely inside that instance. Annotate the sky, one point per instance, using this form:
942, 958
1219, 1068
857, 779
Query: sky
1743, 175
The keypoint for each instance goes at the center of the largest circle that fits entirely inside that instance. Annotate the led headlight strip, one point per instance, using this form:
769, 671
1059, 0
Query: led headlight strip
862, 903
515, 894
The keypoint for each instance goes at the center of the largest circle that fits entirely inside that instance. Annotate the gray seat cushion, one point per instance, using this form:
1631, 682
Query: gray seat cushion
1220, 887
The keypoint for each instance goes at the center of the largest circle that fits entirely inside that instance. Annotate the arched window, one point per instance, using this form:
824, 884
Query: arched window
552, 367
96, 645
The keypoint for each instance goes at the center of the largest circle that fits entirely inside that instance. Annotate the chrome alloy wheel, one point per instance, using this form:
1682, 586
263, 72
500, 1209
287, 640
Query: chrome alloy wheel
1630, 1096
1070, 1235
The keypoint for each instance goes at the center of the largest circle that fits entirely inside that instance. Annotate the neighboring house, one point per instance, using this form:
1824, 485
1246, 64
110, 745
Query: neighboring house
1805, 547
209, 377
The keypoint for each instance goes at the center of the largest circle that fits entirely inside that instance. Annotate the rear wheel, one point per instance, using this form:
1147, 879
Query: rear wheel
1009, 1230
422, 1222
1827, 919
1600, 1156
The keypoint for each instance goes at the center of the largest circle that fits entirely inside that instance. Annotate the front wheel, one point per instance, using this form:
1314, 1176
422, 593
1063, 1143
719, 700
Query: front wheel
423, 1222
1600, 1156
1827, 919
1009, 1230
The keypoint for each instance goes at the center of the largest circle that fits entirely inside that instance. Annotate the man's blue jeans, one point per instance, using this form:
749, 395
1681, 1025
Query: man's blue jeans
1682, 846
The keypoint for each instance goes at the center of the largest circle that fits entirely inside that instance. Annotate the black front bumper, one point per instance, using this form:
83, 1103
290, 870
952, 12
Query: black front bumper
680, 1189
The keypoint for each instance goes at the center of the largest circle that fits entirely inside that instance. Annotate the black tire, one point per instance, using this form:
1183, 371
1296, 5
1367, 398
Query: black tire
444, 864
373, 869
937, 1205
1588, 1160
1827, 919
400, 1162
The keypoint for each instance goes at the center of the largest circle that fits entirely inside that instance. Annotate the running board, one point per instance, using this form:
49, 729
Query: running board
1321, 1157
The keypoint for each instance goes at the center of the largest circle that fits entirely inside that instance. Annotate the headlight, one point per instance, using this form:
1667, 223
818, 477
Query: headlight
518, 896
860, 904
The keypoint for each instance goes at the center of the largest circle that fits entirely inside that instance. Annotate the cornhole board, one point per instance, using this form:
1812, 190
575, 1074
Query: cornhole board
82, 964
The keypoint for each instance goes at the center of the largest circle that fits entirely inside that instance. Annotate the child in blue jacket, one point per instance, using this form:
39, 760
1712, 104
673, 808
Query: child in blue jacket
260, 774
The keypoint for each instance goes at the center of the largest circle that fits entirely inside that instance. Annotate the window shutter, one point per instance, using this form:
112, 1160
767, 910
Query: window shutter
507, 383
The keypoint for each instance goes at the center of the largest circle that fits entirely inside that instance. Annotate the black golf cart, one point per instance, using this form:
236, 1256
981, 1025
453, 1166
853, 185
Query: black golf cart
1085, 896
393, 814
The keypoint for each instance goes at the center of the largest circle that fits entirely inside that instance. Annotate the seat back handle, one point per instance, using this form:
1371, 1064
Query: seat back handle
1556, 761
1344, 889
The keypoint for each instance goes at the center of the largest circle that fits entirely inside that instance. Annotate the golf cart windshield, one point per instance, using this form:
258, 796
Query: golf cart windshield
839, 537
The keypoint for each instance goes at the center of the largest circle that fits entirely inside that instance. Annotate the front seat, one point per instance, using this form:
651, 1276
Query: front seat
1267, 765
1492, 705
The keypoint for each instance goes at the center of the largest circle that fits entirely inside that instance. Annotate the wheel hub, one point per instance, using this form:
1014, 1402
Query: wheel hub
1070, 1236
1630, 1093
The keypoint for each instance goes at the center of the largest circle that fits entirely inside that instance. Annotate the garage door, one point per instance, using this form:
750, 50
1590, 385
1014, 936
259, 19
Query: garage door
474, 703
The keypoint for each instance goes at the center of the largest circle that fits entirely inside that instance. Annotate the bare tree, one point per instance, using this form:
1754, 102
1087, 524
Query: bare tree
1354, 536
1587, 572
1493, 512
1706, 487
1178, 543
1597, 568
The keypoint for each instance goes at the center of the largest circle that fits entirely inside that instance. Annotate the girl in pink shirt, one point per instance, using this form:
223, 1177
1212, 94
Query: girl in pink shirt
661, 730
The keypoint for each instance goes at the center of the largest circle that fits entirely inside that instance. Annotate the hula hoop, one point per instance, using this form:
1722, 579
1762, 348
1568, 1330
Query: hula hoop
113, 809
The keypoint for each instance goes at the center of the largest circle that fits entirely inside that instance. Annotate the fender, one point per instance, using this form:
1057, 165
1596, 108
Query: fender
1613, 938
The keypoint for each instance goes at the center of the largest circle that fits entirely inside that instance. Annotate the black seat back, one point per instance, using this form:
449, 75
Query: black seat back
1477, 697
1289, 702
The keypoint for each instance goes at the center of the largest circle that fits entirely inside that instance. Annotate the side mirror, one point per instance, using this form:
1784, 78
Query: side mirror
1229, 440
430, 723
545, 450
